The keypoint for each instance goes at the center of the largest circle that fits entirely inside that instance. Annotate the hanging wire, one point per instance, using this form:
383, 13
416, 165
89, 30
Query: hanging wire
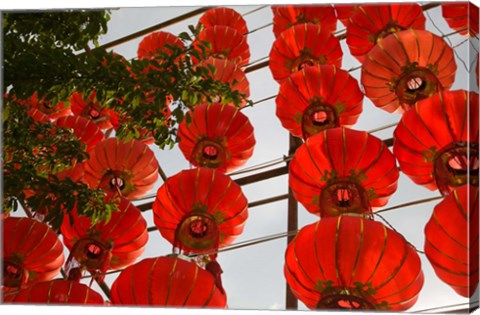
382, 128
255, 10
261, 166
448, 40
446, 307
258, 28
394, 229
408, 204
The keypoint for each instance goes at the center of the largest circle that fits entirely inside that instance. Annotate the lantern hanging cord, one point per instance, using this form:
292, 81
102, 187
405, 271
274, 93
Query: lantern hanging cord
391, 227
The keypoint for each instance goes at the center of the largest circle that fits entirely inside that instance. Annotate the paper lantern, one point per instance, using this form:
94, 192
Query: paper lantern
225, 43
84, 129
167, 282
200, 209
90, 108
32, 252
225, 17
451, 240
58, 291
461, 17
343, 171
303, 45
229, 73
350, 262
125, 167
436, 143
286, 16
100, 246
157, 43
317, 98
344, 12
406, 67
371, 23
218, 136
43, 110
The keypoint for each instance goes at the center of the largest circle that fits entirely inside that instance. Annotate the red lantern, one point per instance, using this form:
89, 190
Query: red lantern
98, 247
200, 209
125, 167
157, 43
229, 73
32, 252
225, 43
406, 67
371, 23
350, 262
58, 292
303, 45
343, 171
90, 108
43, 110
436, 143
461, 17
226, 17
451, 240
168, 282
84, 129
344, 12
317, 98
219, 136
286, 16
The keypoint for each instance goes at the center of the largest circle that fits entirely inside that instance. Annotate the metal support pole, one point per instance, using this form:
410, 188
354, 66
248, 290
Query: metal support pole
292, 224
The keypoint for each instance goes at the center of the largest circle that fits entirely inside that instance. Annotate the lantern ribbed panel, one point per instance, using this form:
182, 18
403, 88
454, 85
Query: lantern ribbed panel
34, 247
226, 17
357, 254
228, 72
59, 292
371, 23
342, 154
166, 281
451, 240
151, 45
402, 57
302, 45
224, 129
344, 12
125, 233
286, 16
84, 129
225, 43
332, 87
90, 108
201, 190
432, 125
461, 16
132, 161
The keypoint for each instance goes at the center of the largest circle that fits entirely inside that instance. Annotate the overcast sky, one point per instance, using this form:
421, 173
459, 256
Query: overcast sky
253, 276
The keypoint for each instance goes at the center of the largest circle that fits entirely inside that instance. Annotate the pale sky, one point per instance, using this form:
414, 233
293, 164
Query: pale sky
253, 276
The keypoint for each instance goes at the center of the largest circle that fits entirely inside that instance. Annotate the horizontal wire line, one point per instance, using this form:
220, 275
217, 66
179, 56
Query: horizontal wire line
443, 307
408, 204
255, 10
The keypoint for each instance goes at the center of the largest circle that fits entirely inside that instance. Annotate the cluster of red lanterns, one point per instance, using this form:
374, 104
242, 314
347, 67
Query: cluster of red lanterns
201, 209
346, 260
344, 175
